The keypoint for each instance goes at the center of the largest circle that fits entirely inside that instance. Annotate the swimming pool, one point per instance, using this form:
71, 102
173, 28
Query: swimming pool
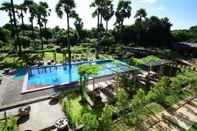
62, 74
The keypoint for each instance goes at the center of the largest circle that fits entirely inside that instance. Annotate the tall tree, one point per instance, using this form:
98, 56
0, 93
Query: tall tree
15, 26
107, 12
79, 26
41, 13
141, 13
98, 5
21, 10
123, 11
140, 27
6, 6
32, 10
67, 7
46, 13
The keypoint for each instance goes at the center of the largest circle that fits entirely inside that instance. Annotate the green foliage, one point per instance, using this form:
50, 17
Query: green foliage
5, 35
151, 58
73, 111
194, 127
159, 92
185, 35
80, 49
184, 78
90, 122
123, 11
10, 125
121, 99
105, 121
141, 13
181, 35
107, 41
138, 100
137, 105
87, 69
0, 78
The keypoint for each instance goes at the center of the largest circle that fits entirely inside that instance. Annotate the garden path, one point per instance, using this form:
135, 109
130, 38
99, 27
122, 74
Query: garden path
184, 117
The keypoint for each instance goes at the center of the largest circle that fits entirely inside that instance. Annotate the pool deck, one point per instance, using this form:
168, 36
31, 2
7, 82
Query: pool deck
10, 94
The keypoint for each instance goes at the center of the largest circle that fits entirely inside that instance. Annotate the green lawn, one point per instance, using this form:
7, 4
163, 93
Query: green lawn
50, 56
14, 61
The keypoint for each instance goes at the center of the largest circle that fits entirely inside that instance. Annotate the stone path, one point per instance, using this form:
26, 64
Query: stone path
180, 120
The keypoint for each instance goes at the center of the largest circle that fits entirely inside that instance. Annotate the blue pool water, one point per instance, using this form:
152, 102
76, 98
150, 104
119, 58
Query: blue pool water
63, 74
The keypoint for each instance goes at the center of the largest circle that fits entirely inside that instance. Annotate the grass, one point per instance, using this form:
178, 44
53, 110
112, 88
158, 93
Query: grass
9, 61
50, 55
194, 127
14, 61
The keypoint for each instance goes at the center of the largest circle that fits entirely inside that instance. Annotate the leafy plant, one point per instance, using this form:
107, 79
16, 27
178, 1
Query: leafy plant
85, 71
105, 121
151, 58
121, 99
73, 111
10, 124
90, 122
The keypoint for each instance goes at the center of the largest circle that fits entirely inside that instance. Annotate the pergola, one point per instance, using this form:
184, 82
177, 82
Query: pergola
157, 66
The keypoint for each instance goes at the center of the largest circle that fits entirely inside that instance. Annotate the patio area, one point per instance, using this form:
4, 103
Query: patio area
10, 94
43, 116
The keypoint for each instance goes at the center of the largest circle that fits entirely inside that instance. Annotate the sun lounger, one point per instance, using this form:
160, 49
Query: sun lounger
108, 93
89, 101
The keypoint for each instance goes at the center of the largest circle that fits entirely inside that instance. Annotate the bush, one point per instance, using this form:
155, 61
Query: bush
121, 99
73, 111
10, 125
50, 46
151, 58
105, 121
89, 121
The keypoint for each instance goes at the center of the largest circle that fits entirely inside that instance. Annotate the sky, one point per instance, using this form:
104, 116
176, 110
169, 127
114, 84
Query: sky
182, 13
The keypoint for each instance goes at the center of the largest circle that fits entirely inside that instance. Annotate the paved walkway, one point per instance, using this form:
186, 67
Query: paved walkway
42, 116
10, 93
183, 118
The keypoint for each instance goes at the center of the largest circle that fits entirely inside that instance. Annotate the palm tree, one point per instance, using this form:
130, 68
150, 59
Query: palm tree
10, 8
123, 11
15, 25
141, 13
107, 12
46, 12
67, 7
22, 9
38, 16
79, 26
6, 6
98, 5
32, 10
41, 13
